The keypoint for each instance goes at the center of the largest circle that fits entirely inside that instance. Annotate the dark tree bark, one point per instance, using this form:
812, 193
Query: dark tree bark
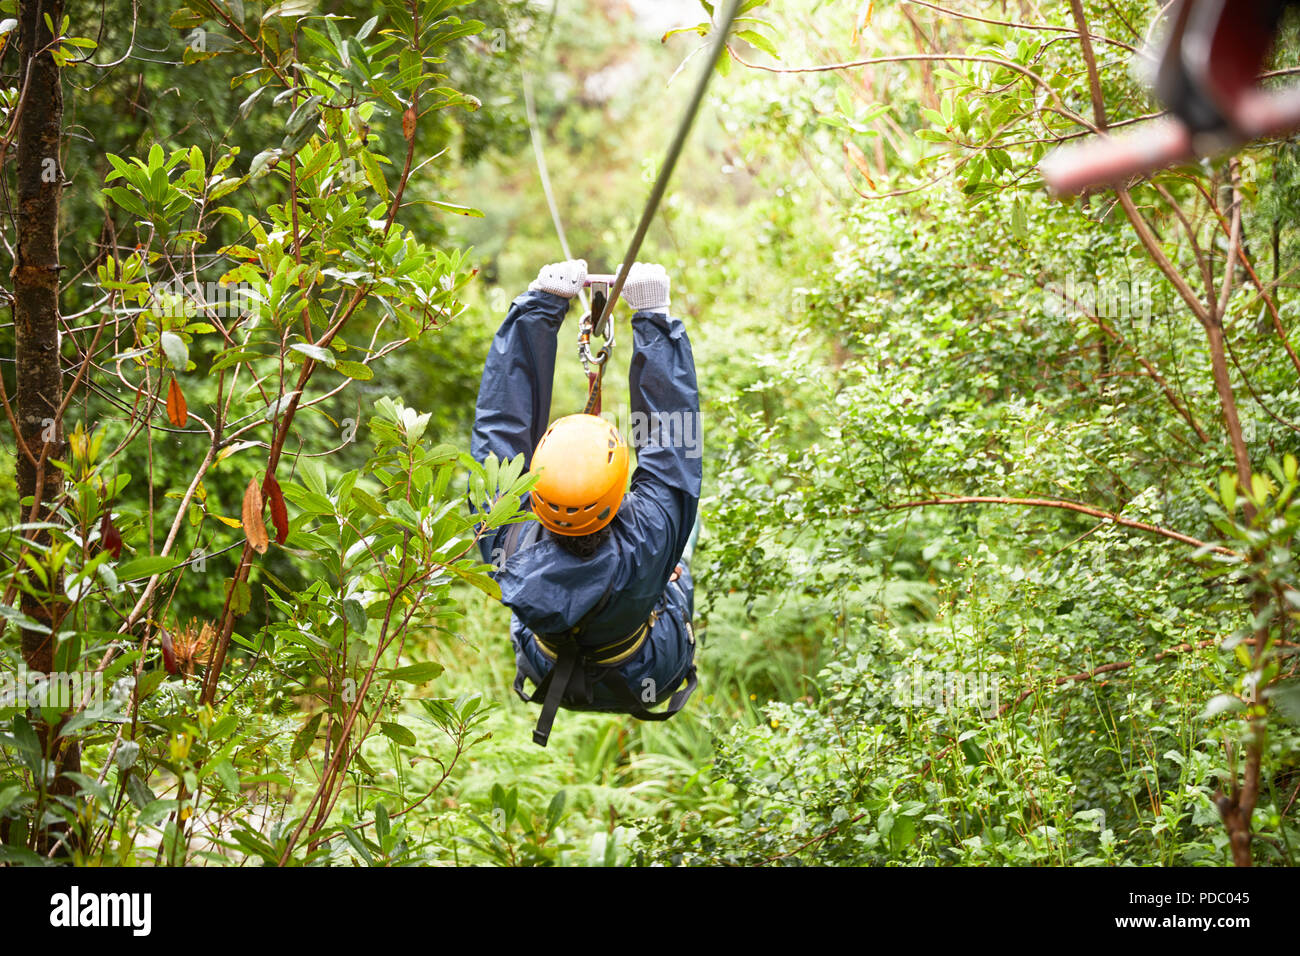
39, 386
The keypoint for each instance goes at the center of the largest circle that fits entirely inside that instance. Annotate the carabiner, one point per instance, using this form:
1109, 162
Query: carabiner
586, 328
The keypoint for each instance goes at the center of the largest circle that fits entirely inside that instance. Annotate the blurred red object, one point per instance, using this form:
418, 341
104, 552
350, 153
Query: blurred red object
1207, 77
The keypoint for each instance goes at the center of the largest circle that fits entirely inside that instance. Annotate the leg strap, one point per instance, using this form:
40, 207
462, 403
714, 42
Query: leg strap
637, 708
569, 669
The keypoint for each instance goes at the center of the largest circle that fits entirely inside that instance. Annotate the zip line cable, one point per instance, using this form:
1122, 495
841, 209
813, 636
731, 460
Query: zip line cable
665, 170
604, 322
670, 161
530, 113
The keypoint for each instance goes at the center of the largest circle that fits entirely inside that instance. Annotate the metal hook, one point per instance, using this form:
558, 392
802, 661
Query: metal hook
586, 328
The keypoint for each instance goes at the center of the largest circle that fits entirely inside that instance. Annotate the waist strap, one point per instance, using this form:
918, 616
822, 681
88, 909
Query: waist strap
615, 652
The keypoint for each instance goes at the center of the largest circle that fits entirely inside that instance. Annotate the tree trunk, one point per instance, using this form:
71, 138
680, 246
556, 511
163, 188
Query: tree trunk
39, 386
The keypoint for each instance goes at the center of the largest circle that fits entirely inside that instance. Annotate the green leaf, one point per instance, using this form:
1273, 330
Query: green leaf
149, 682
261, 163
177, 352
316, 353
228, 775
504, 509
242, 598
362, 373
22, 620
481, 581
358, 844
293, 142
415, 673
89, 786
156, 811
302, 741
374, 175
246, 107
1019, 223
757, 40
397, 733
555, 811
25, 737
312, 473
223, 727
145, 567
278, 407
404, 513
1228, 490
290, 8
128, 201
454, 208
700, 29
355, 614
8, 795
138, 791
304, 116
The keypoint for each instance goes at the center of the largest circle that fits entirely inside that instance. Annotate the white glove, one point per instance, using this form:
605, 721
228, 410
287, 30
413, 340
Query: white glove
646, 289
561, 278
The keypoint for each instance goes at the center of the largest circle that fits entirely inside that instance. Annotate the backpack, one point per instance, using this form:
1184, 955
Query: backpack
580, 672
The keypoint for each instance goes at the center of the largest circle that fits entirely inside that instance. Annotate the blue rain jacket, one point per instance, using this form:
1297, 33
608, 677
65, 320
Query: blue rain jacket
550, 590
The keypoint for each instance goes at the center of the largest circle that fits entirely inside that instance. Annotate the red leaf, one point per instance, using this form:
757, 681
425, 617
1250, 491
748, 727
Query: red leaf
279, 514
169, 652
178, 412
109, 537
251, 517
859, 159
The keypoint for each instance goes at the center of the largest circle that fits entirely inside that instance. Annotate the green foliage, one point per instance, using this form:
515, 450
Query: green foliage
887, 312
218, 348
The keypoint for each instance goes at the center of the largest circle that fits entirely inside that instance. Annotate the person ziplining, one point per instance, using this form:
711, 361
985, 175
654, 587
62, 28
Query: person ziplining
600, 585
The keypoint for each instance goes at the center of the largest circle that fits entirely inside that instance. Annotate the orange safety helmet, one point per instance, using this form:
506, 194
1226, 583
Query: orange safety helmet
582, 462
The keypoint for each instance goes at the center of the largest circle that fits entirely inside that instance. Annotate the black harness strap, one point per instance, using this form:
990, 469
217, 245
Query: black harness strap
551, 694
569, 669
510, 541
569, 676
614, 652
568, 665
637, 708
552, 689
